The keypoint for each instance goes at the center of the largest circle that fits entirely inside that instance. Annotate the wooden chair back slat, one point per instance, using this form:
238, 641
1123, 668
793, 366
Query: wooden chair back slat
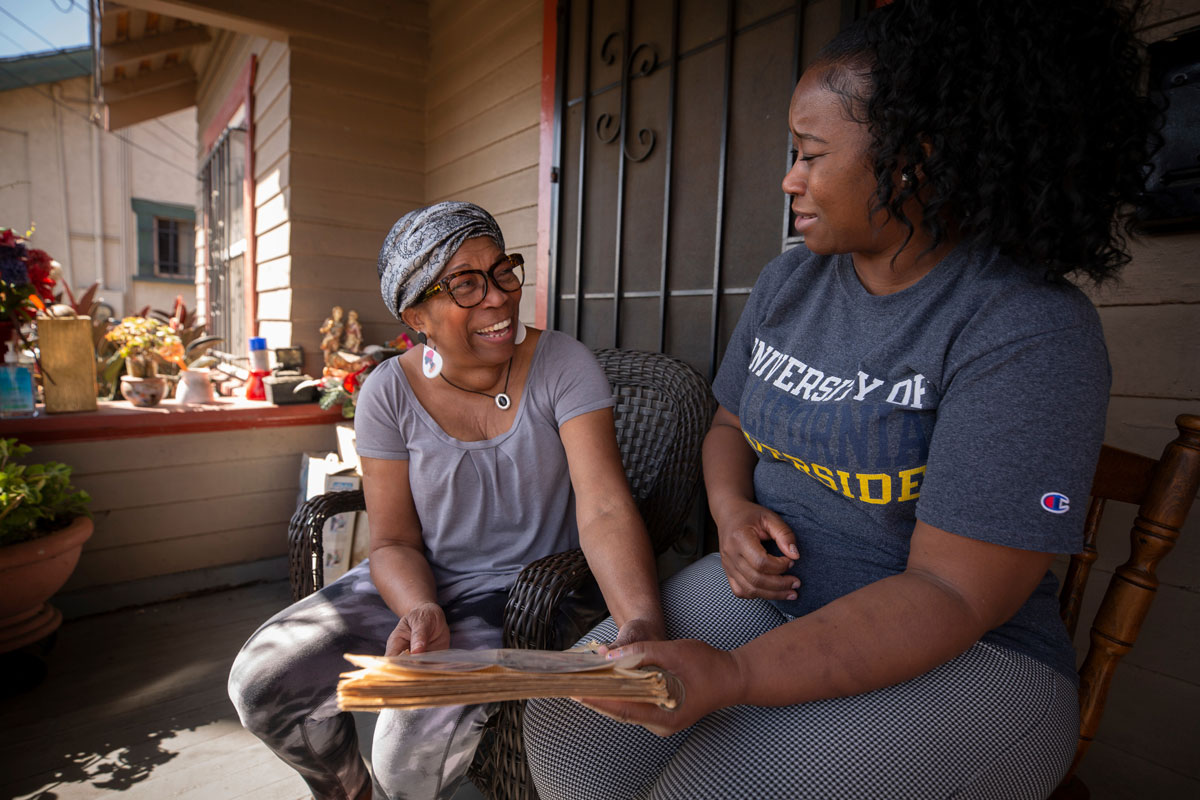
1122, 476
1164, 491
1080, 568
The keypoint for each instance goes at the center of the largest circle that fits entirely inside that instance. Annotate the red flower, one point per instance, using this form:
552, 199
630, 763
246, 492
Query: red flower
354, 379
38, 262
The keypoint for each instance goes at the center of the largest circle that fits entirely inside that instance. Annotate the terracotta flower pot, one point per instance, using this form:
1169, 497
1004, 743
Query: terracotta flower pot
30, 573
143, 392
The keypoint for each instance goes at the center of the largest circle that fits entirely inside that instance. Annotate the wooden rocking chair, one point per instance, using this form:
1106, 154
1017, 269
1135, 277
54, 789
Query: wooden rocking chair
1163, 490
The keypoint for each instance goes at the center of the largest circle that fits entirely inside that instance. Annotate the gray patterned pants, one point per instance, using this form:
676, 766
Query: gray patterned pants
992, 723
283, 684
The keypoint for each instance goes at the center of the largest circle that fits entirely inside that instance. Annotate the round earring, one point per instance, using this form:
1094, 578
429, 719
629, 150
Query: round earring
431, 361
519, 336
907, 178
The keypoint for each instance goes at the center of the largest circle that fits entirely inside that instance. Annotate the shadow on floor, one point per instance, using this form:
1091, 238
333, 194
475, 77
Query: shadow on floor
127, 694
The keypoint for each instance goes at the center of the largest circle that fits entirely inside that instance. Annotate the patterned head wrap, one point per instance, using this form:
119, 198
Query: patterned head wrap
421, 242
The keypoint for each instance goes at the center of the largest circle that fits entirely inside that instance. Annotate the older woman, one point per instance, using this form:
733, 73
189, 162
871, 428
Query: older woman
911, 408
489, 447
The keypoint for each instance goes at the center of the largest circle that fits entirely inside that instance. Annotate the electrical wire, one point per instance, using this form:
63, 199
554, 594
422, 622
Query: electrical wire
9, 14
189, 142
88, 66
91, 121
14, 41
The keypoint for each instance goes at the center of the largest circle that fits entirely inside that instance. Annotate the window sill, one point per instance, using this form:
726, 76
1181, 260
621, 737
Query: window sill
188, 280
122, 420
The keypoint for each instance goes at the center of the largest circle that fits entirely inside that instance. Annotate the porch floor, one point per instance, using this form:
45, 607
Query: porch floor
134, 702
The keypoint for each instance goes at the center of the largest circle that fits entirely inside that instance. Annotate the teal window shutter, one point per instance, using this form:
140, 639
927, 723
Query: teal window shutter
147, 212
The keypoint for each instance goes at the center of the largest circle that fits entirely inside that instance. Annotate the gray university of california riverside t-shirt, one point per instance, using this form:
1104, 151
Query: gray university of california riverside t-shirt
973, 400
490, 507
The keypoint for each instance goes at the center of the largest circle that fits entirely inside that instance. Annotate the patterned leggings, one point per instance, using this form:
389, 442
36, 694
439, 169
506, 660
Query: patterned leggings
991, 723
283, 684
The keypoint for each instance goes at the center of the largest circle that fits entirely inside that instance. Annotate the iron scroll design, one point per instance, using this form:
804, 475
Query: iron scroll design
642, 62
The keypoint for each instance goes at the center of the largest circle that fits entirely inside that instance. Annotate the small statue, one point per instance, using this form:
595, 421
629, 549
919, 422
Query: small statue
354, 336
333, 329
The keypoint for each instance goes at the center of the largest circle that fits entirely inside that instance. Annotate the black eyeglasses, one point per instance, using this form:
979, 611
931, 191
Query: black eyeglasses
468, 287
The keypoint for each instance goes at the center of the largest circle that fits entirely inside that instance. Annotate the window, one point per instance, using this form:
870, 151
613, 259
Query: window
167, 259
165, 241
223, 179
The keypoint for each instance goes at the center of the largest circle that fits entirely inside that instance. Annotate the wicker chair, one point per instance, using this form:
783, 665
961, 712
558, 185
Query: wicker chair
663, 409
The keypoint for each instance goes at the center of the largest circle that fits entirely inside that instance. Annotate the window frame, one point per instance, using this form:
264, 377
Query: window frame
148, 213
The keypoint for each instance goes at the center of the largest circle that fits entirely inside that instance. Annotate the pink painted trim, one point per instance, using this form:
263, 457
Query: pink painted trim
545, 158
241, 95
120, 420
241, 92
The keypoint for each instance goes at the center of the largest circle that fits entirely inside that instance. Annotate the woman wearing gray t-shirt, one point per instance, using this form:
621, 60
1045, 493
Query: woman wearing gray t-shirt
487, 448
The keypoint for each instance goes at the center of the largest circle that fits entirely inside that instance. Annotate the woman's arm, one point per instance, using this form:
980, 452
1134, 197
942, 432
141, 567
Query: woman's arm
398, 564
742, 524
611, 531
952, 591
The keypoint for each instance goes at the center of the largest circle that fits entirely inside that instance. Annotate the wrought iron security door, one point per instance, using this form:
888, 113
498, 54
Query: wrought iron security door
222, 178
672, 141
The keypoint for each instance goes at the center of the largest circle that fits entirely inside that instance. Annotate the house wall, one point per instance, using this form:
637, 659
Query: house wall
48, 171
481, 127
186, 502
1145, 747
357, 164
338, 157
220, 66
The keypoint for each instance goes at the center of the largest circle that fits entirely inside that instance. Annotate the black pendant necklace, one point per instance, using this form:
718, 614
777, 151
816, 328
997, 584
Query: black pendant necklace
503, 401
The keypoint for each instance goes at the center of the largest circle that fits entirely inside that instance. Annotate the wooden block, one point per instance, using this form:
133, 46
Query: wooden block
68, 364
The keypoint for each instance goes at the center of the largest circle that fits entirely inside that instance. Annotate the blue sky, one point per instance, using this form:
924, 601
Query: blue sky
63, 22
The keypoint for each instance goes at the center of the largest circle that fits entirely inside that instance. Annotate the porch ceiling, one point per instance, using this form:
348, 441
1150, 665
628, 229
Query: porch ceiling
145, 70
147, 48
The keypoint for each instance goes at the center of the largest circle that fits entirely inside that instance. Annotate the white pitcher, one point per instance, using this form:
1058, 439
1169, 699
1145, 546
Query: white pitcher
194, 387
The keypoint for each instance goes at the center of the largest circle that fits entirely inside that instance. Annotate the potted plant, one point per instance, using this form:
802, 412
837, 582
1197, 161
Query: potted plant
144, 343
44, 522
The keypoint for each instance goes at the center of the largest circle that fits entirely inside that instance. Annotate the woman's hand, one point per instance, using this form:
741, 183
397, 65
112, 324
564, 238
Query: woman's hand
711, 679
422, 629
751, 570
638, 630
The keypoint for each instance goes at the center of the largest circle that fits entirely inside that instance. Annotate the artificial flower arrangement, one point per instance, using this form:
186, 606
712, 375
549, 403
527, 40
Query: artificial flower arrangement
143, 343
340, 385
27, 279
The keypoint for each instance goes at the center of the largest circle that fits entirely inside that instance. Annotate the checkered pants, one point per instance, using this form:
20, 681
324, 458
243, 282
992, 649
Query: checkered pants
284, 680
991, 723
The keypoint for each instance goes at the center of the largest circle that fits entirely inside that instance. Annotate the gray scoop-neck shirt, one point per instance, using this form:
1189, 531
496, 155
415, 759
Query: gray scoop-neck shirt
487, 508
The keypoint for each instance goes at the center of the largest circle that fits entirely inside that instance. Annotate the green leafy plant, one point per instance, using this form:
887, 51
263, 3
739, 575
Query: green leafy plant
35, 499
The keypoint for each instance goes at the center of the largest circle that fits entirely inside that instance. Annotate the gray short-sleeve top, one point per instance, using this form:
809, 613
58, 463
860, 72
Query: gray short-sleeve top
490, 507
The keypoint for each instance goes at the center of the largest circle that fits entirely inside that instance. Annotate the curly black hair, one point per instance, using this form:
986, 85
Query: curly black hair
1020, 124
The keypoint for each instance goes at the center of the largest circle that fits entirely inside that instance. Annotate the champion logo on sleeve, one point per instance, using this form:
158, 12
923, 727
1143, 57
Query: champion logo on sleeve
1056, 503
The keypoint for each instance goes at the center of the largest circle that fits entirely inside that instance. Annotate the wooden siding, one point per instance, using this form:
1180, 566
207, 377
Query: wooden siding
167, 504
1145, 747
219, 67
481, 127
357, 164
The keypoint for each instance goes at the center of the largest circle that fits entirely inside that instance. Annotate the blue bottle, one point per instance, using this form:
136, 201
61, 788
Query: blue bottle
16, 387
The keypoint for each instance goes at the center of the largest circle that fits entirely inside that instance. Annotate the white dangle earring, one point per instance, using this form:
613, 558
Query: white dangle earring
431, 361
520, 334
